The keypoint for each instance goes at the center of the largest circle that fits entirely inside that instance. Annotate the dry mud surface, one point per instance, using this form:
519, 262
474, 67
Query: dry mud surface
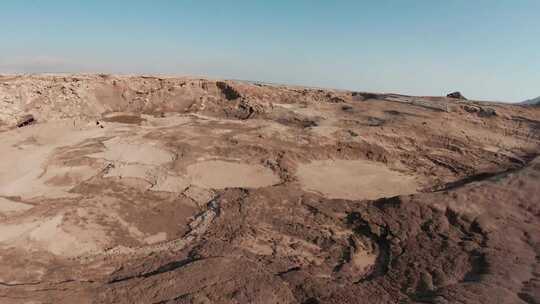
179, 190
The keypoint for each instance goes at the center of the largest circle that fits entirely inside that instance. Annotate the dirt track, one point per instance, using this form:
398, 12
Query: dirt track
177, 190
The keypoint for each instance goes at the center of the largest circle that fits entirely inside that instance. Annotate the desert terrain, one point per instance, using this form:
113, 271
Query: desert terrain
143, 189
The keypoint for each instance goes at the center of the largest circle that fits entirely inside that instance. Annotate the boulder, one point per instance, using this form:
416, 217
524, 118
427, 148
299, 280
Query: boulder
471, 108
487, 112
26, 120
361, 96
456, 95
480, 111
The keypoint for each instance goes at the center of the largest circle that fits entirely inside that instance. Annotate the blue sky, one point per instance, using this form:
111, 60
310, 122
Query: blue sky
488, 49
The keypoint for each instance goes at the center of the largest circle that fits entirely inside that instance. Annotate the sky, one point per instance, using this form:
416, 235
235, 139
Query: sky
487, 49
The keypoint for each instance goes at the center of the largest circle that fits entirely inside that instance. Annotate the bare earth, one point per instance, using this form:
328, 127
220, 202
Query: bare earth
132, 189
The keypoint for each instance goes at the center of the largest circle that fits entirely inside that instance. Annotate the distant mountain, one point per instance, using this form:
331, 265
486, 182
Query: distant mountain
534, 101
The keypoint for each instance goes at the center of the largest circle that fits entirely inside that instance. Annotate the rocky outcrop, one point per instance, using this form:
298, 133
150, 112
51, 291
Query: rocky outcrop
227, 90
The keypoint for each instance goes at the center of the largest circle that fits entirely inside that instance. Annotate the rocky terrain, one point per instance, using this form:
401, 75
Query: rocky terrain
132, 189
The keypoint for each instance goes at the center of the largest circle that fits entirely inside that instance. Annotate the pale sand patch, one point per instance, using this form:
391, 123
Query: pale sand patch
170, 120
221, 131
170, 183
157, 178
257, 246
199, 195
123, 118
269, 242
275, 129
218, 174
131, 170
353, 179
24, 162
325, 131
49, 234
10, 232
131, 228
53, 182
119, 151
135, 183
363, 259
11, 206
57, 241
304, 110
156, 238
67, 177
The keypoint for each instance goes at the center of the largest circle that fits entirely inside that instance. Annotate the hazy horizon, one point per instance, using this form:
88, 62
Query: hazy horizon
487, 50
